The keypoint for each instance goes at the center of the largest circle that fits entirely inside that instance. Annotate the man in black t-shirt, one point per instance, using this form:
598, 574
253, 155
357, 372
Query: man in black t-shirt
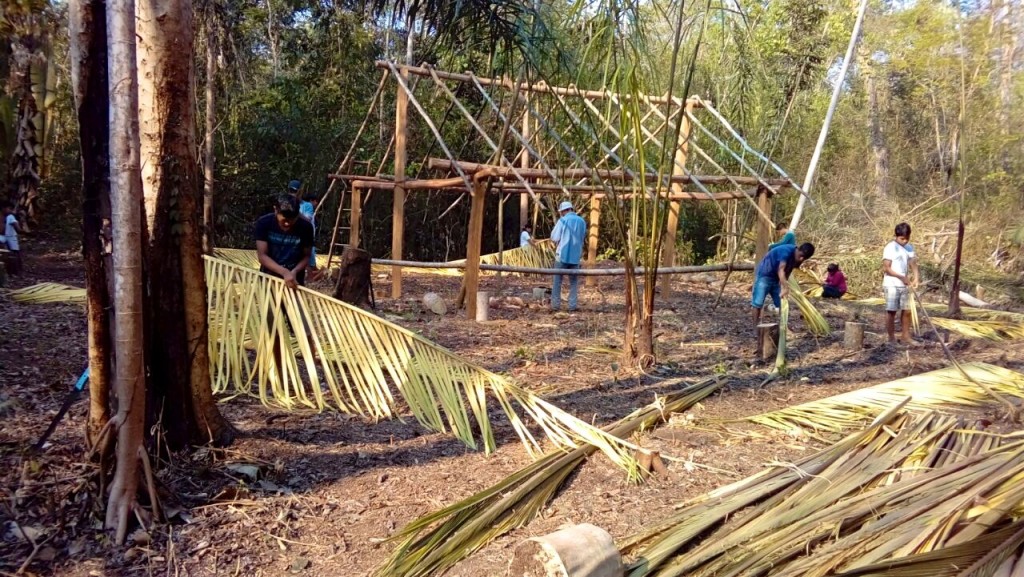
284, 242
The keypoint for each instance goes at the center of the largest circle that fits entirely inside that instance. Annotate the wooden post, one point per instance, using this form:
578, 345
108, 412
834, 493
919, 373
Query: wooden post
764, 232
768, 340
592, 237
853, 336
524, 162
476, 231
355, 217
398, 210
483, 305
353, 284
668, 247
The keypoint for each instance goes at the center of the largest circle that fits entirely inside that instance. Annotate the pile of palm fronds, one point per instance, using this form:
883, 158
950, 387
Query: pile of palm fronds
301, 349
435, 542
48, 292
907, 485
993, 325
944, 388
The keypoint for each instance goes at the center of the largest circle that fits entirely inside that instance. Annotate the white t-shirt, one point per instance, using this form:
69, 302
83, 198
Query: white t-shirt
10, 233
900, 257
524, 239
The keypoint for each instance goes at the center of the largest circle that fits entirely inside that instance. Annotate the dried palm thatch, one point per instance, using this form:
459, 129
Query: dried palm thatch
435, 542
944, 388
906, 485
312, 352
48, 292
815, 321
991, 330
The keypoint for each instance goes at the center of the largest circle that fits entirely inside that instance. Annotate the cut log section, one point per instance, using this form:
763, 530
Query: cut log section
853, 336
578, 551
353, 284
768, 340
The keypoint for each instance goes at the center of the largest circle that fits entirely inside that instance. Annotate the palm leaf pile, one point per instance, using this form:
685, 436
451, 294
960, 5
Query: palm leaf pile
302, 349
944, 388
48, 292
435, 542
908, 485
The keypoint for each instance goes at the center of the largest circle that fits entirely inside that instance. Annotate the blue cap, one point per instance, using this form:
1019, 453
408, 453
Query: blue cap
295, 185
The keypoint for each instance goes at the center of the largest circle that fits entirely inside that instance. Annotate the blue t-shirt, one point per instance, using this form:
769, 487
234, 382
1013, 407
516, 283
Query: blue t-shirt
286, 248
785, 253
788, 238
569, 232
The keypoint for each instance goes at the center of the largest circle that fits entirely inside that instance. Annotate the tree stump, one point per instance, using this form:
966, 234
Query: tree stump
353, 284
768, 340
577, 551
853, 336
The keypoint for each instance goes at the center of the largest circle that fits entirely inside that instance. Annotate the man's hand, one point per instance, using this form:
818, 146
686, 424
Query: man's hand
289, 280
784, 292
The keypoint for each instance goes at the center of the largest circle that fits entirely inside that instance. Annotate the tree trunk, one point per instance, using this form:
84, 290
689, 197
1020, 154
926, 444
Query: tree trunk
879, 147
126, 199
88, 30
25, 159
354, 279
208, 150
1009, 48
178, 353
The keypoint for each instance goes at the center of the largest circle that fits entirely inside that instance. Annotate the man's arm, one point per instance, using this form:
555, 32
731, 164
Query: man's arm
556, 233
783, 281
304, 261
887, 267
268, 263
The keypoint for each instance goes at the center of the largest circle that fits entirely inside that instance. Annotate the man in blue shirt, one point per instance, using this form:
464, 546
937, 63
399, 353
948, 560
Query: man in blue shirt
284, 242
772, 277
568, 236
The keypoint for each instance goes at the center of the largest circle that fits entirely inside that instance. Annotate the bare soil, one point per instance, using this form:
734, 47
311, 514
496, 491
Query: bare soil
319, 494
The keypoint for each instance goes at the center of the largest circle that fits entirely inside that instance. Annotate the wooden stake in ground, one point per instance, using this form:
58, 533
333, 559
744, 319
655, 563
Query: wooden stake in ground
853, 336
768, 340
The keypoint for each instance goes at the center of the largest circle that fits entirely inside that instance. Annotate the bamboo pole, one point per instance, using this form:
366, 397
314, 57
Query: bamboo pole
455, 185
524, 162
476, 229
593, 235
540, 87
839, 83
585, 272
668, 250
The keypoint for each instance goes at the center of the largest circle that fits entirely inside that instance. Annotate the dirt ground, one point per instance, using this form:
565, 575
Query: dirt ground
319, 494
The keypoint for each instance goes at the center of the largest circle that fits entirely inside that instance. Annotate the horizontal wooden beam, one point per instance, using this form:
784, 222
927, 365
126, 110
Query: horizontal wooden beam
456, 185
575, 173
538, 87
571, 272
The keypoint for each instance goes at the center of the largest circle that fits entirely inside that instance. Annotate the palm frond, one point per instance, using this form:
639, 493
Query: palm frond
968, 312
993, 330
48, 292
435, 542
301, 349
815, 321
928, 391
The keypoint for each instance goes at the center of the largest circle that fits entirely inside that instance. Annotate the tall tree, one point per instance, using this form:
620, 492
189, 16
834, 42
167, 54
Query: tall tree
176, 312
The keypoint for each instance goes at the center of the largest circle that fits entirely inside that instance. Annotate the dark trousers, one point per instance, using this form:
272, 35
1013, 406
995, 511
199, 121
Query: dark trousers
831, 292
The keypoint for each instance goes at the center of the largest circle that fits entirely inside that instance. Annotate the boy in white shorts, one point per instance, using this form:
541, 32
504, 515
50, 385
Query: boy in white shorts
899, 261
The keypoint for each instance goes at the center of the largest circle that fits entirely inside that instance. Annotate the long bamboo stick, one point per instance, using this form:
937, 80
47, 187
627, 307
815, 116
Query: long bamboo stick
570, 272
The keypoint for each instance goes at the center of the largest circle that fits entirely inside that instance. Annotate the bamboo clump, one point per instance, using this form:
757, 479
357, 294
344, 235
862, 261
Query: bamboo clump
299, 349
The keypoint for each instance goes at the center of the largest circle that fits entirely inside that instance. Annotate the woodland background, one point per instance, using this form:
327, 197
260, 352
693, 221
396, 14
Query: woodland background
933, 108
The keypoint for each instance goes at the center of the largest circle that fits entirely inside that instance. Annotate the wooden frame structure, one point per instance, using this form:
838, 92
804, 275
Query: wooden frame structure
560, 149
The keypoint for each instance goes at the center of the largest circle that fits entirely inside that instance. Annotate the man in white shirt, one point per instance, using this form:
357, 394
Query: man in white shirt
11, 229
568, 237
899, 261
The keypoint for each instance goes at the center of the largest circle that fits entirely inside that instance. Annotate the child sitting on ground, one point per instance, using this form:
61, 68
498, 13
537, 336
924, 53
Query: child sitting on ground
835, 283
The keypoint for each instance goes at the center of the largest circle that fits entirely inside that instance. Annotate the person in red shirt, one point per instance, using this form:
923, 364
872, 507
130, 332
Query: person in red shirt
835, 283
